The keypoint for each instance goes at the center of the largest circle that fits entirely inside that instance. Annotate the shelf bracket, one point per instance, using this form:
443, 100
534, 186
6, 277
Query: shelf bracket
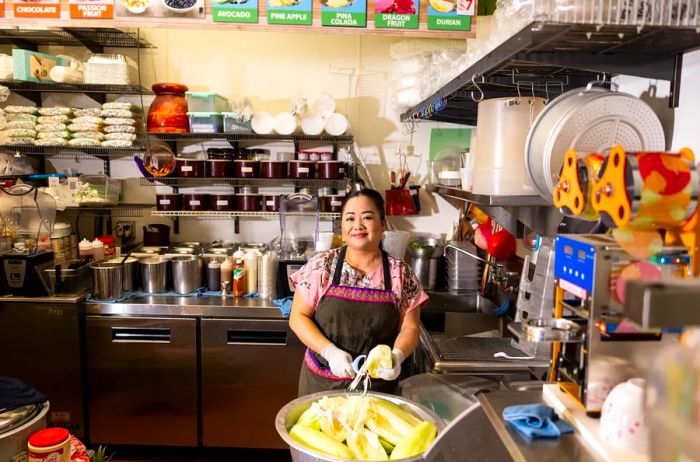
176, 225
674, 97
33, 96
105, 164
296, 147
236, 225
89, 44
98, 97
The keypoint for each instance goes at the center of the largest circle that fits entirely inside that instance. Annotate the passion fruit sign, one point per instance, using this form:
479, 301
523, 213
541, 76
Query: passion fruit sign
396, 14
235, 11
91, 9
450, 14
344, 13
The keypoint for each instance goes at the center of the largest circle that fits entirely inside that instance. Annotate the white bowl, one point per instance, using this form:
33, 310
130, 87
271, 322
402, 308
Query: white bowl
137, 9
623, 421
179, 10
263, 123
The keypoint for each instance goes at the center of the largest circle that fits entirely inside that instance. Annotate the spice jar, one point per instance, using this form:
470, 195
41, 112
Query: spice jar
49, 444
168, 111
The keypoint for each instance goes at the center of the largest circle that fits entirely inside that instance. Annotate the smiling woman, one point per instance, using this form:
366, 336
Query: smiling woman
349, 300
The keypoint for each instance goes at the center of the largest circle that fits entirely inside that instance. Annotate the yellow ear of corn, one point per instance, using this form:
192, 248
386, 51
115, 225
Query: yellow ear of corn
398, 410
386, 423
320, 442
366, 446
415, 442
310, 418
378, 358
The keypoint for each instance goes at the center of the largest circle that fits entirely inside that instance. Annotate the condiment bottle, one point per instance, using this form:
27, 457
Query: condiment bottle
49, 444
214, 275
251, 270
85, 249
98, 250
239, 279
226, 270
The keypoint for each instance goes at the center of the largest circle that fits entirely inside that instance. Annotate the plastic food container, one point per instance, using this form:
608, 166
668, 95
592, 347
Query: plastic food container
168, 202
206, 122
330, 169
246, 168
219, 168
223, 202
301, 169
249, 202
101, 191
271, 203
189, 168
195, 202
332, 204
49, 444
232, 125
273, 169
221, 153
203, 101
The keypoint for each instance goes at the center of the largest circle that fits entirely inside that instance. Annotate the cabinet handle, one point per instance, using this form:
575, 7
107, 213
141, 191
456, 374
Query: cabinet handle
256, 337
140, 335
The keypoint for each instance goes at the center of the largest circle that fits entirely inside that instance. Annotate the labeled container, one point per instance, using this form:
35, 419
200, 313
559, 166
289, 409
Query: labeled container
221, 153
154, 275
49, 445
273, 169
233, 125
195, 202
246, 168
332, 204
206, 122
271, 203
168, 111
205, 101
106, 281
168, 202
187, 274
219, 168
330, 169
249, 202
222, 202
189, 168
101, 191
301, 169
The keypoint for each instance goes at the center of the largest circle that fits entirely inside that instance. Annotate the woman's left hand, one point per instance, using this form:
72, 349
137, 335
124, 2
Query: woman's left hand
397, 357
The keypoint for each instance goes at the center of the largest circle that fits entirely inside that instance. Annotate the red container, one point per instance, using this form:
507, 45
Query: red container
168, 202
195, 202
168, 111
249, 202
219, 168
332, 204
223, 202
246, 168
189, 168
273, 169
271, 203
301, 169
330, 169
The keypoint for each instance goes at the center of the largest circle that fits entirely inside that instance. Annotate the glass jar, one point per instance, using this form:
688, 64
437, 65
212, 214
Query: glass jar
168, 112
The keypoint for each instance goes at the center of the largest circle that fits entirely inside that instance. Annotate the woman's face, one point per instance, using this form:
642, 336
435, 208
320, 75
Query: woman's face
362, 226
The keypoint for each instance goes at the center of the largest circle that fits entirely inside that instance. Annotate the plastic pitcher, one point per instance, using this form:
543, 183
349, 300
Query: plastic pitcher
395, 242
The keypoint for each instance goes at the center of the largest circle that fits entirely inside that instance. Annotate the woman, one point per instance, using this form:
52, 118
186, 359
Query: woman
351, 299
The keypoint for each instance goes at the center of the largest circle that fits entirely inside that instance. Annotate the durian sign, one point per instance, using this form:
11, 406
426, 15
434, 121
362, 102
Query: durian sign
450, 14
235, 11
344, 13
290, 12
396, 14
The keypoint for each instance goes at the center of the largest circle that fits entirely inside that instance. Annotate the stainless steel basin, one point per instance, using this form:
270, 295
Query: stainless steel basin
443, 301
459, 314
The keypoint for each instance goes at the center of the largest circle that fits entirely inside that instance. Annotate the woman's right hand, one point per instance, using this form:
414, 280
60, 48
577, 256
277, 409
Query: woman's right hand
339, 361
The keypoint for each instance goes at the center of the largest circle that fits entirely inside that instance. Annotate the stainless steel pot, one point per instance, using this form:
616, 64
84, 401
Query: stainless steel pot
106, 281
187, 274
128, 272
154, 275
289, 414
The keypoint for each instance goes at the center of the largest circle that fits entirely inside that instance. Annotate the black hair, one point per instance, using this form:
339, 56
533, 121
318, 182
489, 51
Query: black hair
371, 194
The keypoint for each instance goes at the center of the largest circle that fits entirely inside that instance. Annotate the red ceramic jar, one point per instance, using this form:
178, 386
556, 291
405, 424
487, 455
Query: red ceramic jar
168, 111
168, 202
189, 168
301, 169
330, 169
248, 202
195, 202
219, 168
222, 202
332, 204
271, 203
273, 169
246, 168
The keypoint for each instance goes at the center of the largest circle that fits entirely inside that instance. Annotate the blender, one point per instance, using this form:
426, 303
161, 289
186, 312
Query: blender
28, 216
299, 218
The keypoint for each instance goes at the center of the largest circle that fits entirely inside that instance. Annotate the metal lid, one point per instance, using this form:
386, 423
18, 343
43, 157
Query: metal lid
16, 417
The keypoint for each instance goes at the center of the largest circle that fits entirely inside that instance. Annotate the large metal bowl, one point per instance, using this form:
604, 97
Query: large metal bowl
427, 248
289, 414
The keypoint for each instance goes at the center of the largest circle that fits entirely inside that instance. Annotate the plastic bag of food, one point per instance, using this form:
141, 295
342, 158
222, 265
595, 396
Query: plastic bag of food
50, 127
55, 134
121, 136
84, 127
56, 119
53, 111
123, 106
20, 109
119, 129
117, 144
20, 124
88, 120
84, 142
21, 132
20, 140
90, 112
91, 135
120, 121
51, 142
120, 113
20, 116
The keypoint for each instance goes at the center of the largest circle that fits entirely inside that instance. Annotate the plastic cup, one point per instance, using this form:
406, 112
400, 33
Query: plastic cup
325, 241
395, 242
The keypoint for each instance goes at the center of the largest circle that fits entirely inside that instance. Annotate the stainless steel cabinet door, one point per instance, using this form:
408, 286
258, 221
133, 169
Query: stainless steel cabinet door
250, 369
142, 380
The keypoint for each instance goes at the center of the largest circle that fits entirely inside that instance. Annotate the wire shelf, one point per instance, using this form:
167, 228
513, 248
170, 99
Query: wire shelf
69, 151
104, 37
211, 214
184, 182
22, 86
345, 139
121, 210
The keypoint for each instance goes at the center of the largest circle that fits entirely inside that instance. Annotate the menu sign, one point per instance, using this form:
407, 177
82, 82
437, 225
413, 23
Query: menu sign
180, 9
396, 14
344, 13
91, 9
2, 8
37, 8
297, 12
235, 10
450, 14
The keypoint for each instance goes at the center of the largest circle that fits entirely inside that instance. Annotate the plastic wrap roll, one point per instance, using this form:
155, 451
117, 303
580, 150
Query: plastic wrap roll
572, 195
267, 275
646, 190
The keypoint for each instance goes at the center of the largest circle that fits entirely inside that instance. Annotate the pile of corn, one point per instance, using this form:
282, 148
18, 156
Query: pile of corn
362, 428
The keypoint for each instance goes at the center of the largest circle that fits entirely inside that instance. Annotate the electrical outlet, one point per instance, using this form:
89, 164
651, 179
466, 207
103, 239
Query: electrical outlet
125, 230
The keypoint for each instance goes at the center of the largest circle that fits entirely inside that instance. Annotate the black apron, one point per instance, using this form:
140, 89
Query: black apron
355, 320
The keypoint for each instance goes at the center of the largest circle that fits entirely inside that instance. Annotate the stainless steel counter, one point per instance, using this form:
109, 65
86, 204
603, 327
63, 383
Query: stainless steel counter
173, 306
46, 299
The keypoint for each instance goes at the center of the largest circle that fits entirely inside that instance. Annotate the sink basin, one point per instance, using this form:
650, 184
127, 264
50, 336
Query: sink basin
459, 314
443, 301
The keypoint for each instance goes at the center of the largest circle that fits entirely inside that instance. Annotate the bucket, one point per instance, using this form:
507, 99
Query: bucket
395, 242
106, 281
289, 414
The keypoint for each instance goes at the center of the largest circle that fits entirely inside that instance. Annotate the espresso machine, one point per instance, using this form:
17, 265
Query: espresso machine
299, 222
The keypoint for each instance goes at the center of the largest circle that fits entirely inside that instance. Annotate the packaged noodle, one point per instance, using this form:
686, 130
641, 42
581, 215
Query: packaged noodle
117, 144
57, 119
51, 127
56, 134
20, 140
84, 127
20, 109
121, 136
120, 121
20, 124
20, 116
84, 142
91, 135
88, 120
123, 106
51, 142
90, 112
119, 129
120, 113
54, 111
21, 132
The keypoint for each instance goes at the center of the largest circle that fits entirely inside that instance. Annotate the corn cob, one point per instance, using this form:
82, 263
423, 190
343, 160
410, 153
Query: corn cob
366, 446
320, 442
378, 358
415, 442
386, 423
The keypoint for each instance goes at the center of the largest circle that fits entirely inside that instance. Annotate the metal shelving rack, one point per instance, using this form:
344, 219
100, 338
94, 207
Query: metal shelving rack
70, 151
94, 39
19, 86
211, 214
121, 210
193, 182
549, 58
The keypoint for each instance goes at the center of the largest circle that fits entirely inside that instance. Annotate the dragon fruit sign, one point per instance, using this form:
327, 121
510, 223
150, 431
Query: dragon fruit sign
396, 14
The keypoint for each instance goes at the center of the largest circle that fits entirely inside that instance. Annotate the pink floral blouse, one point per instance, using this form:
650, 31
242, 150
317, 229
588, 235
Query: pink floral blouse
315, 277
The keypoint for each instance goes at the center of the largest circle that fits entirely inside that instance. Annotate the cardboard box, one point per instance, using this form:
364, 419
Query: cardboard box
33, 66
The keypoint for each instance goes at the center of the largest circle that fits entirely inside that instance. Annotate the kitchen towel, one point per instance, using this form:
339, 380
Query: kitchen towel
14, 393
284, 304
536, 421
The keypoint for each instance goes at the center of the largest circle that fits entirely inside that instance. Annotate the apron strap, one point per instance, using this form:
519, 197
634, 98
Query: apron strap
341, 260
387, 273
339, 266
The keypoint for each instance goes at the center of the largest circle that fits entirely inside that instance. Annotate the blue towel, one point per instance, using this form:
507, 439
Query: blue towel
536, 421
284, 304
